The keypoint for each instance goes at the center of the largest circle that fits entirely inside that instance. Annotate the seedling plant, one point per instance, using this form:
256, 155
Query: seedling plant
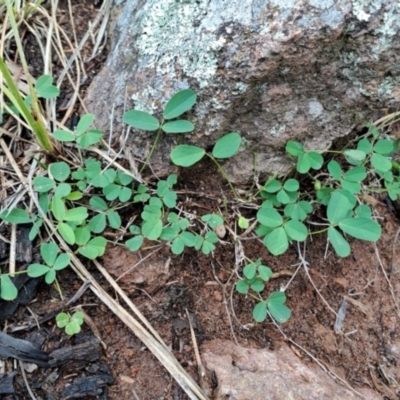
84, 202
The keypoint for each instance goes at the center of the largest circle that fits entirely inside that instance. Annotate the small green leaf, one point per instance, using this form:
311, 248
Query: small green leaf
335, 170
356, 174
125, 195
114, 219
242, 286
243, 222
63, 136
112, 191
97, 224
82, 235
169, 234
72, 328
265, 272
258, 285
91, 137
381, 163
36, 270
211, 237
213, 220
276, 241
78, 214
365, 146
78, 317
170, 199
291, 185
42, 184
361, 228
62, 320
316, 160
276, 307
249, 271
296, 230
269, 217
60, 171
66, 232
180, 126
134, 243
152, 229
338, 208
356, 155
151, 212
294, 148
62, 261
98, 203
179, 103
15, 216
8, 291
227, 146
272, 186
260, 312
58, 208
207, 247
188, 238
303, 163
45, 88
63, 190
141, 120
50, 277
339, 243
49, 252
178, 245
384, 147
186, 155
84, 123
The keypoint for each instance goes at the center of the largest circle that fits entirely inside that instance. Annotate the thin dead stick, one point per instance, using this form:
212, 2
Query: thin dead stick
13, 247
28, 388
305, 264
200, 367
386, 277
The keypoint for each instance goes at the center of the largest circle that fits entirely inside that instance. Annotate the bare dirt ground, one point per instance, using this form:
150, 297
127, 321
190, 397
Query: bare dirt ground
365, 353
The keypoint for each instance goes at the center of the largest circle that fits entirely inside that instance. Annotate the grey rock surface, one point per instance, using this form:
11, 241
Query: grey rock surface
260, 374
272, 70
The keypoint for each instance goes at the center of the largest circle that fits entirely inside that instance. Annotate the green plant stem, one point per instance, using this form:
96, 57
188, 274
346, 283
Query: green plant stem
224, 174
152, 147
318, 232
35, 123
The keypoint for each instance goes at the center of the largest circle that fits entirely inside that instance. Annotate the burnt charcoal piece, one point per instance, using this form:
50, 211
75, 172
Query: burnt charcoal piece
21, 350
76, 356
88, 386
23, 249
7, 383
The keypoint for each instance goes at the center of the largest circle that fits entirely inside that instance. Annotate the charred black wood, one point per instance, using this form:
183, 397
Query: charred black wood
7, 383
22, 350
88, 386
76, 356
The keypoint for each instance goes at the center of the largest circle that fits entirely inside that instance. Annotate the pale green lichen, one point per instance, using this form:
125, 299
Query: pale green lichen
168, 35
362, 9
278, 130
